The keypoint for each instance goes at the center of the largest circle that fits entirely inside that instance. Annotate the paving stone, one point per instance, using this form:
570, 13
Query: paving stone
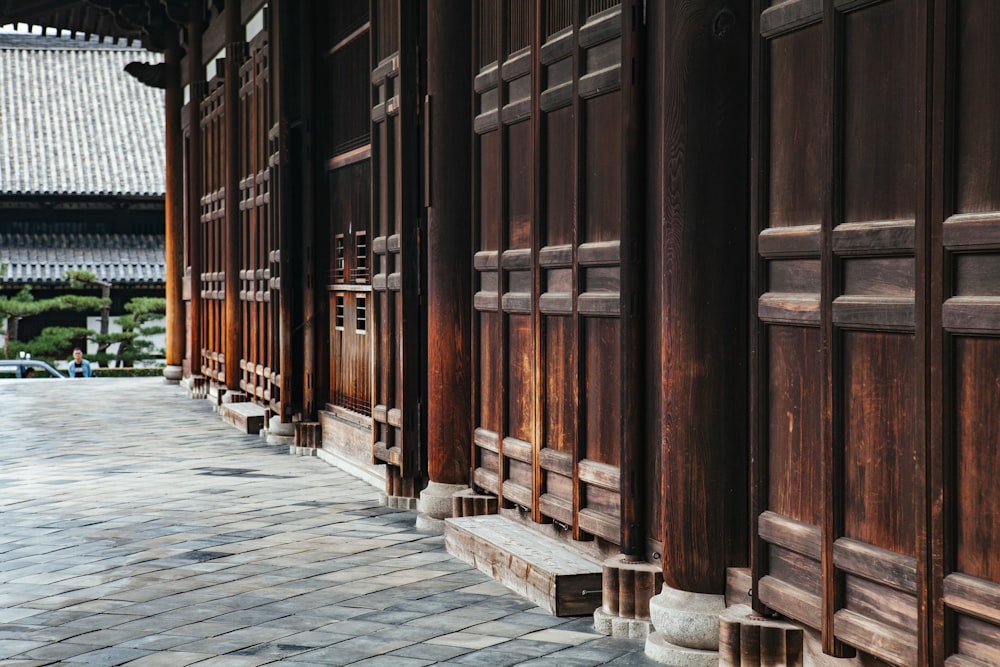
148, 532
468, 640
108, 656
168, 659
393, 661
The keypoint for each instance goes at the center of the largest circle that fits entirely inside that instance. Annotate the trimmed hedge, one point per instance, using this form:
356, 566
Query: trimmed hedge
127, 372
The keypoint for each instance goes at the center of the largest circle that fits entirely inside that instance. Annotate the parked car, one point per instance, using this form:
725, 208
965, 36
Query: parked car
27, 368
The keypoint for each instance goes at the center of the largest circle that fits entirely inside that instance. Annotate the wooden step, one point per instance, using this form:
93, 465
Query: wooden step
550, 573
247, 417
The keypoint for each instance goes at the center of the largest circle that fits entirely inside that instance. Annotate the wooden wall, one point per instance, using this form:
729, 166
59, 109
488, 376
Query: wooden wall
876, 349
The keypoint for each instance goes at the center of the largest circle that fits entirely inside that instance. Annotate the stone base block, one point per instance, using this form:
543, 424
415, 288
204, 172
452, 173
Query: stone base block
687, 619
435, 500
660, 650
279, 428
550, 573
295, 450
283, 440
173, 374
616, 626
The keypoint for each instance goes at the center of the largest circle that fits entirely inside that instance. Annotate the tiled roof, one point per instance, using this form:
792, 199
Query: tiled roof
73, 122
116, 258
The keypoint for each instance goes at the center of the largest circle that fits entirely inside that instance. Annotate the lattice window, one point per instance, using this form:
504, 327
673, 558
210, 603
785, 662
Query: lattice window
360, 272
361, 313
339, 258
339, 321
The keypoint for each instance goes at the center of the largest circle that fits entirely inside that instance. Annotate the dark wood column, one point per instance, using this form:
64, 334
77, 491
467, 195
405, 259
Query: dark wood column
284, 59
174, 207
449, 288
699, 107
235, 48
196, 82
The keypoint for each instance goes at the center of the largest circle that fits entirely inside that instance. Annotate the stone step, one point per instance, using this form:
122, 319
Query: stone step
247, 417
550, 573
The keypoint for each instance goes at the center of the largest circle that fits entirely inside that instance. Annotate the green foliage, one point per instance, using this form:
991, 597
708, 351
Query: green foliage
79, 277
140, 310
128, 372
24, 304
53, 342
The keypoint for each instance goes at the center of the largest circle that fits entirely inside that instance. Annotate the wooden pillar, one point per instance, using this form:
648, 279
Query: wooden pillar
174, 207
196, 81
235, 47
633, 284
292, 69
699, 107
284, 59
449, 288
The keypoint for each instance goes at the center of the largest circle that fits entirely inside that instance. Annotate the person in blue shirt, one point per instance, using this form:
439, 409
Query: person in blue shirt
79, 367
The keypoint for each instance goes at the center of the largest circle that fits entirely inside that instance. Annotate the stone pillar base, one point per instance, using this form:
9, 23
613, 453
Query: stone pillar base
278, 433
660, 650
685, 622
173, 374
435, 505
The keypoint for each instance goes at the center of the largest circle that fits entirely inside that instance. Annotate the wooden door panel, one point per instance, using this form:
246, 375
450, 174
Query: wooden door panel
795, 110
794, 443
396, 247
879, 443
602, 159
256, 238
880, 112
212, 229
547, 258
789, 307
971, 322
848, 181
977, 441
976, 139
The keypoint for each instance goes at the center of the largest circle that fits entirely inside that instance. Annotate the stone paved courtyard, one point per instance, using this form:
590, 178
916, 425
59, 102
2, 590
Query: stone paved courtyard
136, 528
